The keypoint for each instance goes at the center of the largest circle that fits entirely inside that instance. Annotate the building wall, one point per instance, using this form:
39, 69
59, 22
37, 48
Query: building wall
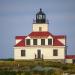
69, 60
18, 40
46, 51
36, 27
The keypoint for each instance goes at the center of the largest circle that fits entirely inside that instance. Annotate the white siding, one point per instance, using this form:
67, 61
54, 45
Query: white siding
29, 54
17, 41
46, 41
69, 60
38, 41
36, 27
46, 51
31, 41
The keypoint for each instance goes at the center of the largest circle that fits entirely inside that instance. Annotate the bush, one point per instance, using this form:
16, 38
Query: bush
7, 73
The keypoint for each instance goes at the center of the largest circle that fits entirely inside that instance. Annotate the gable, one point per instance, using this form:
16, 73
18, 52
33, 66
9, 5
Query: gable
61, 38
28, 37
20, 41
56, 42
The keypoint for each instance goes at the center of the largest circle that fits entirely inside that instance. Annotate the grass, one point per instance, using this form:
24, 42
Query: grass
19, 67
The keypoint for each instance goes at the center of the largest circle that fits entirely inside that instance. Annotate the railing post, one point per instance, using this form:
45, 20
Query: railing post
35, 56
42, 56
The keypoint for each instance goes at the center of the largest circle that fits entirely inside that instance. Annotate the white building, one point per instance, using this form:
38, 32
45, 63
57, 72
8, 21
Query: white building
40, 44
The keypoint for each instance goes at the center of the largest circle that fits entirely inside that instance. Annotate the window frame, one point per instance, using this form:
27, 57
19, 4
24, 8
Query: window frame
49, 42
40, 17
42, 41
23, 53
34, 42
27, 41
43, 16
55, 52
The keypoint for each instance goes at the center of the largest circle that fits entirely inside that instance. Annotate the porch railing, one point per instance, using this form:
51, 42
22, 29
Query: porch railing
36, 56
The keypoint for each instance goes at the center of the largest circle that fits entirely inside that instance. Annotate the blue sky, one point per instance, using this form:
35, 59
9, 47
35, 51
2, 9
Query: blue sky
16, 18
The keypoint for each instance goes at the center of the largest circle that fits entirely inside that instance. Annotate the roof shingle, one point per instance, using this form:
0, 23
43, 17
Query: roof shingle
40, 34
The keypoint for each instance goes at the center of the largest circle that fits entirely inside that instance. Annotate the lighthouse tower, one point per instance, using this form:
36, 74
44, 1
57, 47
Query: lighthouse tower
40, 24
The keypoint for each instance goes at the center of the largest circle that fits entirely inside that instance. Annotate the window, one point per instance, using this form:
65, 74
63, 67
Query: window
40, 28
49, 41
37, 17
28, 41
42, 41
23, 53
43, 16
55, 52
34, 41
40, 16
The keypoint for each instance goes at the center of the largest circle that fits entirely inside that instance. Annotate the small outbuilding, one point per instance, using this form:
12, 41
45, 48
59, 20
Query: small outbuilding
70, 59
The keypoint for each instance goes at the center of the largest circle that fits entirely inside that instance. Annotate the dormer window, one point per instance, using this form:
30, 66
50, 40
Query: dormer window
42, 41
34, 41
49, 41
27, 41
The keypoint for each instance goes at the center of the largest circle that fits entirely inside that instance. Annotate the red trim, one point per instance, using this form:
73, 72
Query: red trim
70, 56
20, 37
60, 36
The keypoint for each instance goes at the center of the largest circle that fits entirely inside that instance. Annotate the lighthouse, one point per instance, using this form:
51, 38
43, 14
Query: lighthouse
40, 43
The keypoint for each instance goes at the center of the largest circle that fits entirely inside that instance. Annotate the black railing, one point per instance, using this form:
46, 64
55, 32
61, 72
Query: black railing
36, 56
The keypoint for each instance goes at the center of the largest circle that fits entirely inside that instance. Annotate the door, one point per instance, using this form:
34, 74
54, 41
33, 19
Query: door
38, 54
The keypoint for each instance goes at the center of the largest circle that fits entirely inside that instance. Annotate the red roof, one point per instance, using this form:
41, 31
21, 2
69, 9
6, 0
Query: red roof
70, 56
60, 36
56, 42
40, 34
21, 43
20, 37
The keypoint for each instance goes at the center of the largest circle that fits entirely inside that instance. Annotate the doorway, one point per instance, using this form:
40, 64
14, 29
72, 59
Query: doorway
39, 54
